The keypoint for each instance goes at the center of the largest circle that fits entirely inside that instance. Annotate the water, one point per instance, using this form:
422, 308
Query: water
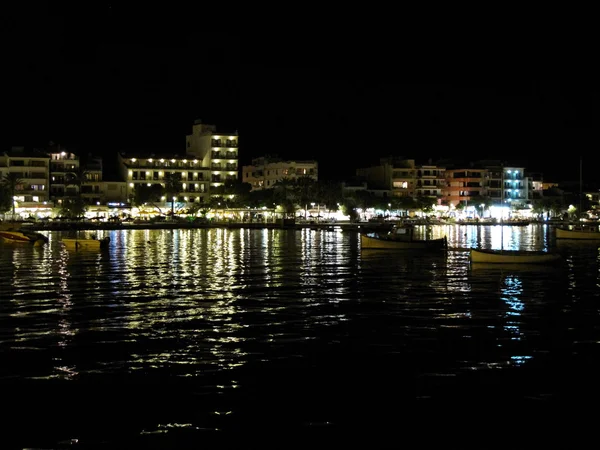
173, 338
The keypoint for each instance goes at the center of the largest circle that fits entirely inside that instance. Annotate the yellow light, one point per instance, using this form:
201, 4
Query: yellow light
195, 161
150, 160
162, 160
130, 184
133, 159
185, 161
172, 160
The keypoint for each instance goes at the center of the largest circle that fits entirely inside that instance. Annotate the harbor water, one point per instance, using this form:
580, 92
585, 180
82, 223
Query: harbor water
178, 338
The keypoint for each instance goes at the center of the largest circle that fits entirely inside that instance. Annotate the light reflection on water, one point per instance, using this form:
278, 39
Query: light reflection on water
253, 307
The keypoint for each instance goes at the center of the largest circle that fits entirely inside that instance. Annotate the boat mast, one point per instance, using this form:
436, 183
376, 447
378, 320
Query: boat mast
501, 207
580, 188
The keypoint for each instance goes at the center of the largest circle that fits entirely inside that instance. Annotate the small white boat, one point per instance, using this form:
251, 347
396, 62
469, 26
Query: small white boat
401, 237
513, 257
85, 244
578, 232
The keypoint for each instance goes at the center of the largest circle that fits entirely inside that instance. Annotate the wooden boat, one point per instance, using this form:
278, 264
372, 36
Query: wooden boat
401, 237
85, 243
15, 233
578, 232
515, 268
512, 257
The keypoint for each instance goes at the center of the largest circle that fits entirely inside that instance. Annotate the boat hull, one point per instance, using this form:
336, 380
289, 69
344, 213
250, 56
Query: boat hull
512, 257
85, 244
564, 233
374, 242
23, 236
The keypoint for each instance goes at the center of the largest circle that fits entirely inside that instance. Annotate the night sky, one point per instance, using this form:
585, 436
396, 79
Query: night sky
104, 79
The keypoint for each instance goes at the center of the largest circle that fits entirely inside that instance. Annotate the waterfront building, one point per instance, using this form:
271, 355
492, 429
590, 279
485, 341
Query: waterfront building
31, 171
266, 171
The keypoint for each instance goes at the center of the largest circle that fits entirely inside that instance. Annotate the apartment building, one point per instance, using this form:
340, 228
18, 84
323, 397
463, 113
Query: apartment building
464, 185
31, 170
404, 178
92, 187
211, 159
454, 184
266, 171
156, 169
430, 181
63, 166
216, 151
510, 184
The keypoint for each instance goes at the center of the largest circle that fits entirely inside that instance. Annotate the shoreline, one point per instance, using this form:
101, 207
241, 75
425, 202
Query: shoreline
70, 226
353, 226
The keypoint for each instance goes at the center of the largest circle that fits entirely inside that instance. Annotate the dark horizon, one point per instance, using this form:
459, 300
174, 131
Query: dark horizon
104, 86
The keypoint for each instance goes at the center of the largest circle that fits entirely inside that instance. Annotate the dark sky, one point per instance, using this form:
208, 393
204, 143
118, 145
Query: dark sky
102, 79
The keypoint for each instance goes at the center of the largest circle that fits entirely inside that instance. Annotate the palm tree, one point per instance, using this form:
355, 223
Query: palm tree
329, 194
10, 181
172, 188
75, 205
305, 191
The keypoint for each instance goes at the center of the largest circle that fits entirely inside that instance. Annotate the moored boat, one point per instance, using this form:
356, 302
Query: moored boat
514, 268
85, 243
512, 257
578, 232
401, 237
16, 233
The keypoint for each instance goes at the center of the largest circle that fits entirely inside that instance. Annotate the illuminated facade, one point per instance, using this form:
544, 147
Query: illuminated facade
211, 159
216, 151
62, 163
403, 178
518, 188
144, 170
465, 185
265, 172
31, 170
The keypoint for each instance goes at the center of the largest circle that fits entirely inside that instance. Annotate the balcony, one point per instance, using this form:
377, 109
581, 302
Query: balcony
223, 143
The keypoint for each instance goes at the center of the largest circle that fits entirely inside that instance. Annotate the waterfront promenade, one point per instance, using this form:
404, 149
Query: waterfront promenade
168, 225
279, 224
